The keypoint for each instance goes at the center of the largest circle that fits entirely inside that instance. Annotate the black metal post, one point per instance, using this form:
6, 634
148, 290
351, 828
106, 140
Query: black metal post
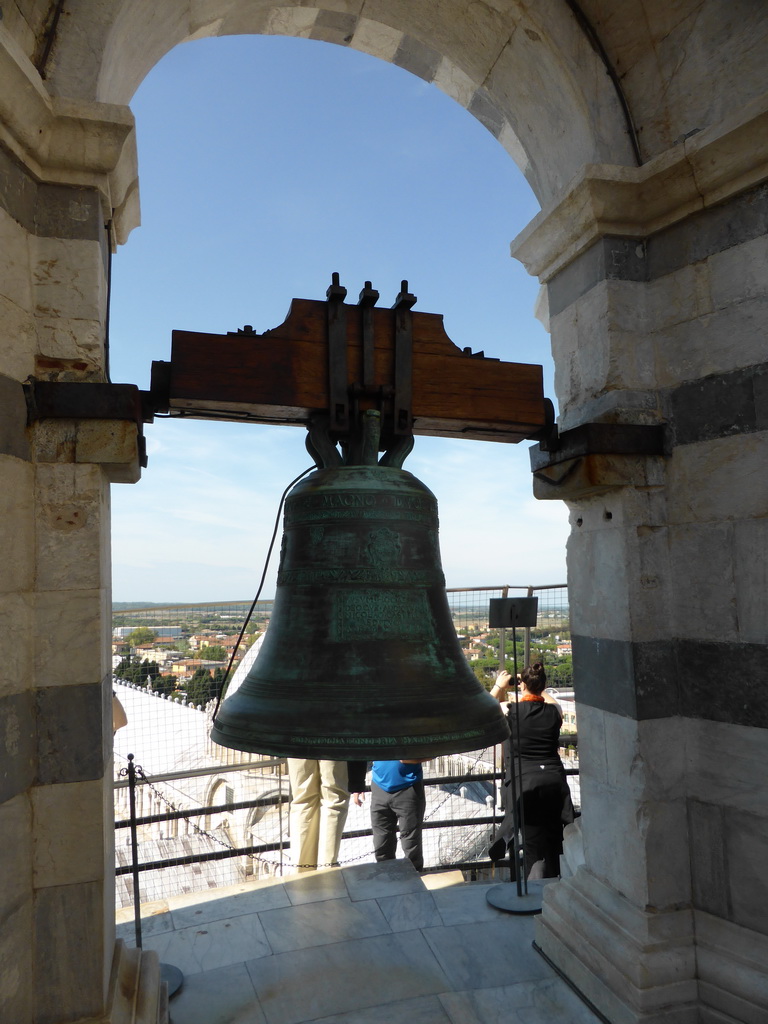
131, 772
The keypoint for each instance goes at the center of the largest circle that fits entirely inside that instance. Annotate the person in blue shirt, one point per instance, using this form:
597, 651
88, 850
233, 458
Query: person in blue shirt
397, 804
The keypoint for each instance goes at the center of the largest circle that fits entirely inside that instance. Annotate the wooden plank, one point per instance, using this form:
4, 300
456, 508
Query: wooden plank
281, 376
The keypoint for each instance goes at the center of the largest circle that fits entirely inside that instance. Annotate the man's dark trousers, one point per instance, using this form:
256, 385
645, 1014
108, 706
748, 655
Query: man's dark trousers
403, 811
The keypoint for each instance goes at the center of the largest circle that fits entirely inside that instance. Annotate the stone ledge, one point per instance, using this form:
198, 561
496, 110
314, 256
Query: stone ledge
731, 968
637, 202
635, 967
66, 141
137, 995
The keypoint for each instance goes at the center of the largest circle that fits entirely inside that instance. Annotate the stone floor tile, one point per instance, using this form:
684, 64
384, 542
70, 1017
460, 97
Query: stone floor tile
223, 996
315, 924
387, 878
488, 954
465, 905
312, 886
155, 918
413, 910
424, 1010
249, 901
212, 945
528, 1002
344, 977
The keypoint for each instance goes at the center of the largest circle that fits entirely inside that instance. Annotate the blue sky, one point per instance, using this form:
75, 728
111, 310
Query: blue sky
266, 164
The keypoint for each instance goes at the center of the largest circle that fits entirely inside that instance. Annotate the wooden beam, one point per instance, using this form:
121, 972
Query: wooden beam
281, 376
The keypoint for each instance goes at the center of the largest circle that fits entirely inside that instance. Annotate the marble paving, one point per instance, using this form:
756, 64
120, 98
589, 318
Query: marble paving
365, 944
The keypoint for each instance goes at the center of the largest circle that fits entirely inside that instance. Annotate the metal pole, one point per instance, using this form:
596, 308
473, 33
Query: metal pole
134, 849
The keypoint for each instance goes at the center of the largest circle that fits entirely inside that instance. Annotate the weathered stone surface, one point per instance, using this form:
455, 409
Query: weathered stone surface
454, 82
718, 406
14, 262
16, 858
17, 959
69, 973
17, 744
750, 575
17, 341
70, 627
72, 734
377, 39
723, 479
17, 625
65, 338
707, 823
746, 850
63, 211
732, 970
705, 597
71, 546
334, 27
69, 279
111, 444
672, 677
17, 512
728, 338
630, 963
68, 833
724, 760
740, 271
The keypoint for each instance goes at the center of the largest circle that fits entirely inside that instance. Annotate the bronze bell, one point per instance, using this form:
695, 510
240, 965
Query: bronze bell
361, 658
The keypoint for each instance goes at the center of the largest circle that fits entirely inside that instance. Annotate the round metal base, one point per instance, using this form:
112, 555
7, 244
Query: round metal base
504, 897
173, 977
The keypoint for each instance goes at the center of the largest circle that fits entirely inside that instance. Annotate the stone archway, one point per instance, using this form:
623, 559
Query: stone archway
656, 284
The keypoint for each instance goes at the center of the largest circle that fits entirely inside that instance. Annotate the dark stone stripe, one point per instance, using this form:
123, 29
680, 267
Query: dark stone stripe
486, 112
50, 211
65, 211
13, 420
71, 726
720, 406
667, 678
17, 745
334, 27
417, 58
738, 220
609, 259
703, 234
18, 191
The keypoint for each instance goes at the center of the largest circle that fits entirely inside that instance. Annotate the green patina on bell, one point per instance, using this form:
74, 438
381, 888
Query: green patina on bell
361, 658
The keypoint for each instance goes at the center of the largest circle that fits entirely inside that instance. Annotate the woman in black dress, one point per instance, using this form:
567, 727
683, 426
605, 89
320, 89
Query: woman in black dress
544, 799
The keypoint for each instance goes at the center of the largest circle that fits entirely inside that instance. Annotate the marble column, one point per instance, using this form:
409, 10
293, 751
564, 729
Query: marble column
65, 173
656, 285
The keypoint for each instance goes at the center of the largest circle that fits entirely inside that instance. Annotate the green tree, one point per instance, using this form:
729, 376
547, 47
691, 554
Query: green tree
200, 688
164, 684
213, 653
141, 636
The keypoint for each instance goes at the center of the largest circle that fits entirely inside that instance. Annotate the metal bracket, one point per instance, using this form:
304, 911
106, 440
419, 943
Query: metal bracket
89, 400
338, 391
47, 399
403, 415
598, 439
367, 300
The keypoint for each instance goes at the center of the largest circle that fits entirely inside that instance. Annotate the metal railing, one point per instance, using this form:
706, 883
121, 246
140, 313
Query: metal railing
207, 817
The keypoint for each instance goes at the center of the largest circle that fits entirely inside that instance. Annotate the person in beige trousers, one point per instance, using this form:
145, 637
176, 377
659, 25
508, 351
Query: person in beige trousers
319, 805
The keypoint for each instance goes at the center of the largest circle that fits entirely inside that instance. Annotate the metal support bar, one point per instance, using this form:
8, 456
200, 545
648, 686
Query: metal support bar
47, 399
403, 415
338, 382
367, 300
600, 439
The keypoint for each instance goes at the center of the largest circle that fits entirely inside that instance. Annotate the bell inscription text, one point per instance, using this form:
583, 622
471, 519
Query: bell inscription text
380, 615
